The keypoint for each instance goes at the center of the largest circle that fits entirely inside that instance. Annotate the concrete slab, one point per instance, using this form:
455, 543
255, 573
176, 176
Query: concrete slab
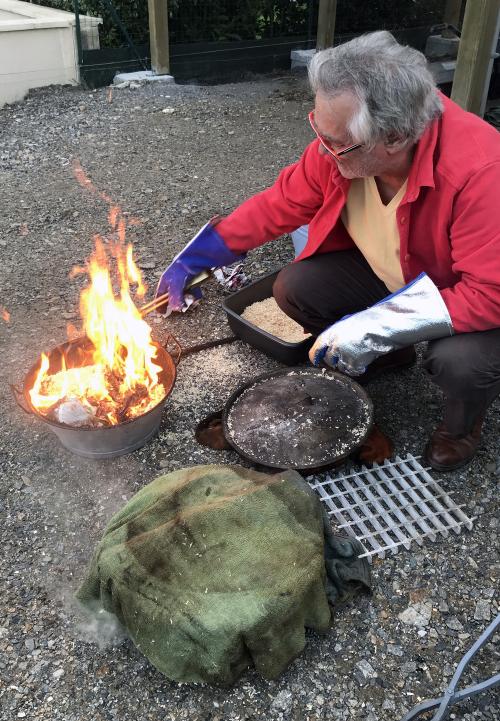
438, 48
443, 70
142, 77
301, 58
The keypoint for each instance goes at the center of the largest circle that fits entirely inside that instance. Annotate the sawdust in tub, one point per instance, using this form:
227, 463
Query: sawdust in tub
267, 315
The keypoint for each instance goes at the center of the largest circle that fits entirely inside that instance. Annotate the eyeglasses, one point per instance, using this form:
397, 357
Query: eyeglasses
325, 143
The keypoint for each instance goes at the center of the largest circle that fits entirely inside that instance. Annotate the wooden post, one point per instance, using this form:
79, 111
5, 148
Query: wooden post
326, 23
474, 62
452, 11
158, 36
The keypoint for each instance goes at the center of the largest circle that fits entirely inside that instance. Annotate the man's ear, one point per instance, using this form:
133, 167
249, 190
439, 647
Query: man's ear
395, 144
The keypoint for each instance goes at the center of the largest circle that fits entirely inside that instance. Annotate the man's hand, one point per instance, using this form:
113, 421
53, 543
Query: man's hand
346, 347
206, 250
414, 313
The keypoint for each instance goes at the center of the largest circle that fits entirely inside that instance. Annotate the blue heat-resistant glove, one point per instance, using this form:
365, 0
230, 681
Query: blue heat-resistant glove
206, 250
414, 313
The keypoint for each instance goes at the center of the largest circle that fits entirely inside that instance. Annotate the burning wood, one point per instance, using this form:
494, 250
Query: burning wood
94, 411
115, 378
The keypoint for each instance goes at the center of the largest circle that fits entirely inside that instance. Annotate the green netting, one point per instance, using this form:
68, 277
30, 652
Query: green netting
214, 568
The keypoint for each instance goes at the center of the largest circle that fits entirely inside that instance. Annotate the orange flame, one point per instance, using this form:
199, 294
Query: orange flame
117, 379
86, 183
5, 314
121, 366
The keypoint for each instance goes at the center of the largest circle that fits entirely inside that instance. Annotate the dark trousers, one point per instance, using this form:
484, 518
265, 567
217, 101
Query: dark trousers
318, 291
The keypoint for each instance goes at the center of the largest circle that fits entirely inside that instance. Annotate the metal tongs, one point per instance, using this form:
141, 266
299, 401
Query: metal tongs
162, 299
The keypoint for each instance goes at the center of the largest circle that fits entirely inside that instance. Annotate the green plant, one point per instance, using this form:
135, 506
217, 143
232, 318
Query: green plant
225, 20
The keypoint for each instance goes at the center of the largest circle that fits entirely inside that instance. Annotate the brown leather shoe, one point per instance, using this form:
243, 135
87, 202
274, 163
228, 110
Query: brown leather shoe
397, 359
446, 452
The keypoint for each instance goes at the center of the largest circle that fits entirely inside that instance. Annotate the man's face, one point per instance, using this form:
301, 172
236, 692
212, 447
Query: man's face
331, 117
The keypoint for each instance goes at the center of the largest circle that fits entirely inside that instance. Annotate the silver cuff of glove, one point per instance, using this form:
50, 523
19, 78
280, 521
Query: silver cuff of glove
415, 314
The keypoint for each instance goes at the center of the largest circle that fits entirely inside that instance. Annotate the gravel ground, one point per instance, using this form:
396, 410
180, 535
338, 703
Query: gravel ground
172, 157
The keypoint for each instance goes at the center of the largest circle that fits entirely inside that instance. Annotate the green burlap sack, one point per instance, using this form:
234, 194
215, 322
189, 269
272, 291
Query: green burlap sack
212, 569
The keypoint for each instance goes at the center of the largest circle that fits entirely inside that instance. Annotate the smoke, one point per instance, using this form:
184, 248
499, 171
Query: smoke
73, 511
95, 625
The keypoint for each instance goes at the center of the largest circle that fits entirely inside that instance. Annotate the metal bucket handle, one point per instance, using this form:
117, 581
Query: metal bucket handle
18, 395
177, 348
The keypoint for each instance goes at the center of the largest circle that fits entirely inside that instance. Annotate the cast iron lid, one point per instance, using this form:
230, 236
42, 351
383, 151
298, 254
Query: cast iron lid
300, 418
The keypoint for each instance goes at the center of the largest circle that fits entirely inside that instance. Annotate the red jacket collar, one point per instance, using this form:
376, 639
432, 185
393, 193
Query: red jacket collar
422, 168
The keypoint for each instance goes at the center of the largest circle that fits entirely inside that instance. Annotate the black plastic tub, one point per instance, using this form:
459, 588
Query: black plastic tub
288, 353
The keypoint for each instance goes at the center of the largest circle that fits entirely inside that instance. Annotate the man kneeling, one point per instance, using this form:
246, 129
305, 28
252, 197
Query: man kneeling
399, 192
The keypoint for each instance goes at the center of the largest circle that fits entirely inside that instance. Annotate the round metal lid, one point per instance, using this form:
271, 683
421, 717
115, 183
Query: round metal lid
300, 418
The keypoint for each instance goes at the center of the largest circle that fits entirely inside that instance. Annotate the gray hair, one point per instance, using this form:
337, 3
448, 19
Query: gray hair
396, 92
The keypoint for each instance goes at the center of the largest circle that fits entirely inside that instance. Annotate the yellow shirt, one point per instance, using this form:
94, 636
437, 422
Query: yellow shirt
373, 227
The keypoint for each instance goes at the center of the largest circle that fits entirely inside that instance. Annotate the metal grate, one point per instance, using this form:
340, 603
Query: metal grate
391, 505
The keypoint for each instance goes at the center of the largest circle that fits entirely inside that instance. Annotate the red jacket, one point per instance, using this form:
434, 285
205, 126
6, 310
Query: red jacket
449, 218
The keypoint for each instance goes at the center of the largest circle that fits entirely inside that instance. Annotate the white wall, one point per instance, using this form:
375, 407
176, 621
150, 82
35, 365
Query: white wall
34, 58
37, 48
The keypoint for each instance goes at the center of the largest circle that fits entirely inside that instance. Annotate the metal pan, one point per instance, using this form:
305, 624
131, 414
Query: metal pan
300, 418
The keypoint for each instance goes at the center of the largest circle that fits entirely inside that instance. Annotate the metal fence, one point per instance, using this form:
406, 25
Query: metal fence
112, 36
225, 39
238, 20
222, 39
357, 16
213, 40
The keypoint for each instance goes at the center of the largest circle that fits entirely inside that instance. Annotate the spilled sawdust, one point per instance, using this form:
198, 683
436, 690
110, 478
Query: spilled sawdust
206, 380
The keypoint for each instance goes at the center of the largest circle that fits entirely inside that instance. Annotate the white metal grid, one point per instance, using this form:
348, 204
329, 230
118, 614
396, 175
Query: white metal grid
391, 505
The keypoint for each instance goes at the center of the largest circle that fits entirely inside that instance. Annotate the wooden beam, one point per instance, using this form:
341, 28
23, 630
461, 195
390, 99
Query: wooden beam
452, 11
158, 36
326, 24
474, 62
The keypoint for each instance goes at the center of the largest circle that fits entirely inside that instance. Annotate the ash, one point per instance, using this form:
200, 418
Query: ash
172, 172
72, 412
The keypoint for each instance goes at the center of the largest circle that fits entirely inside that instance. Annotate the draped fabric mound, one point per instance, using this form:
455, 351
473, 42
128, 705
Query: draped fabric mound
213, 569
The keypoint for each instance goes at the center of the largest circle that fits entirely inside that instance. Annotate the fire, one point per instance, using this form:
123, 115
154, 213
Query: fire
117, 379
4, 313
